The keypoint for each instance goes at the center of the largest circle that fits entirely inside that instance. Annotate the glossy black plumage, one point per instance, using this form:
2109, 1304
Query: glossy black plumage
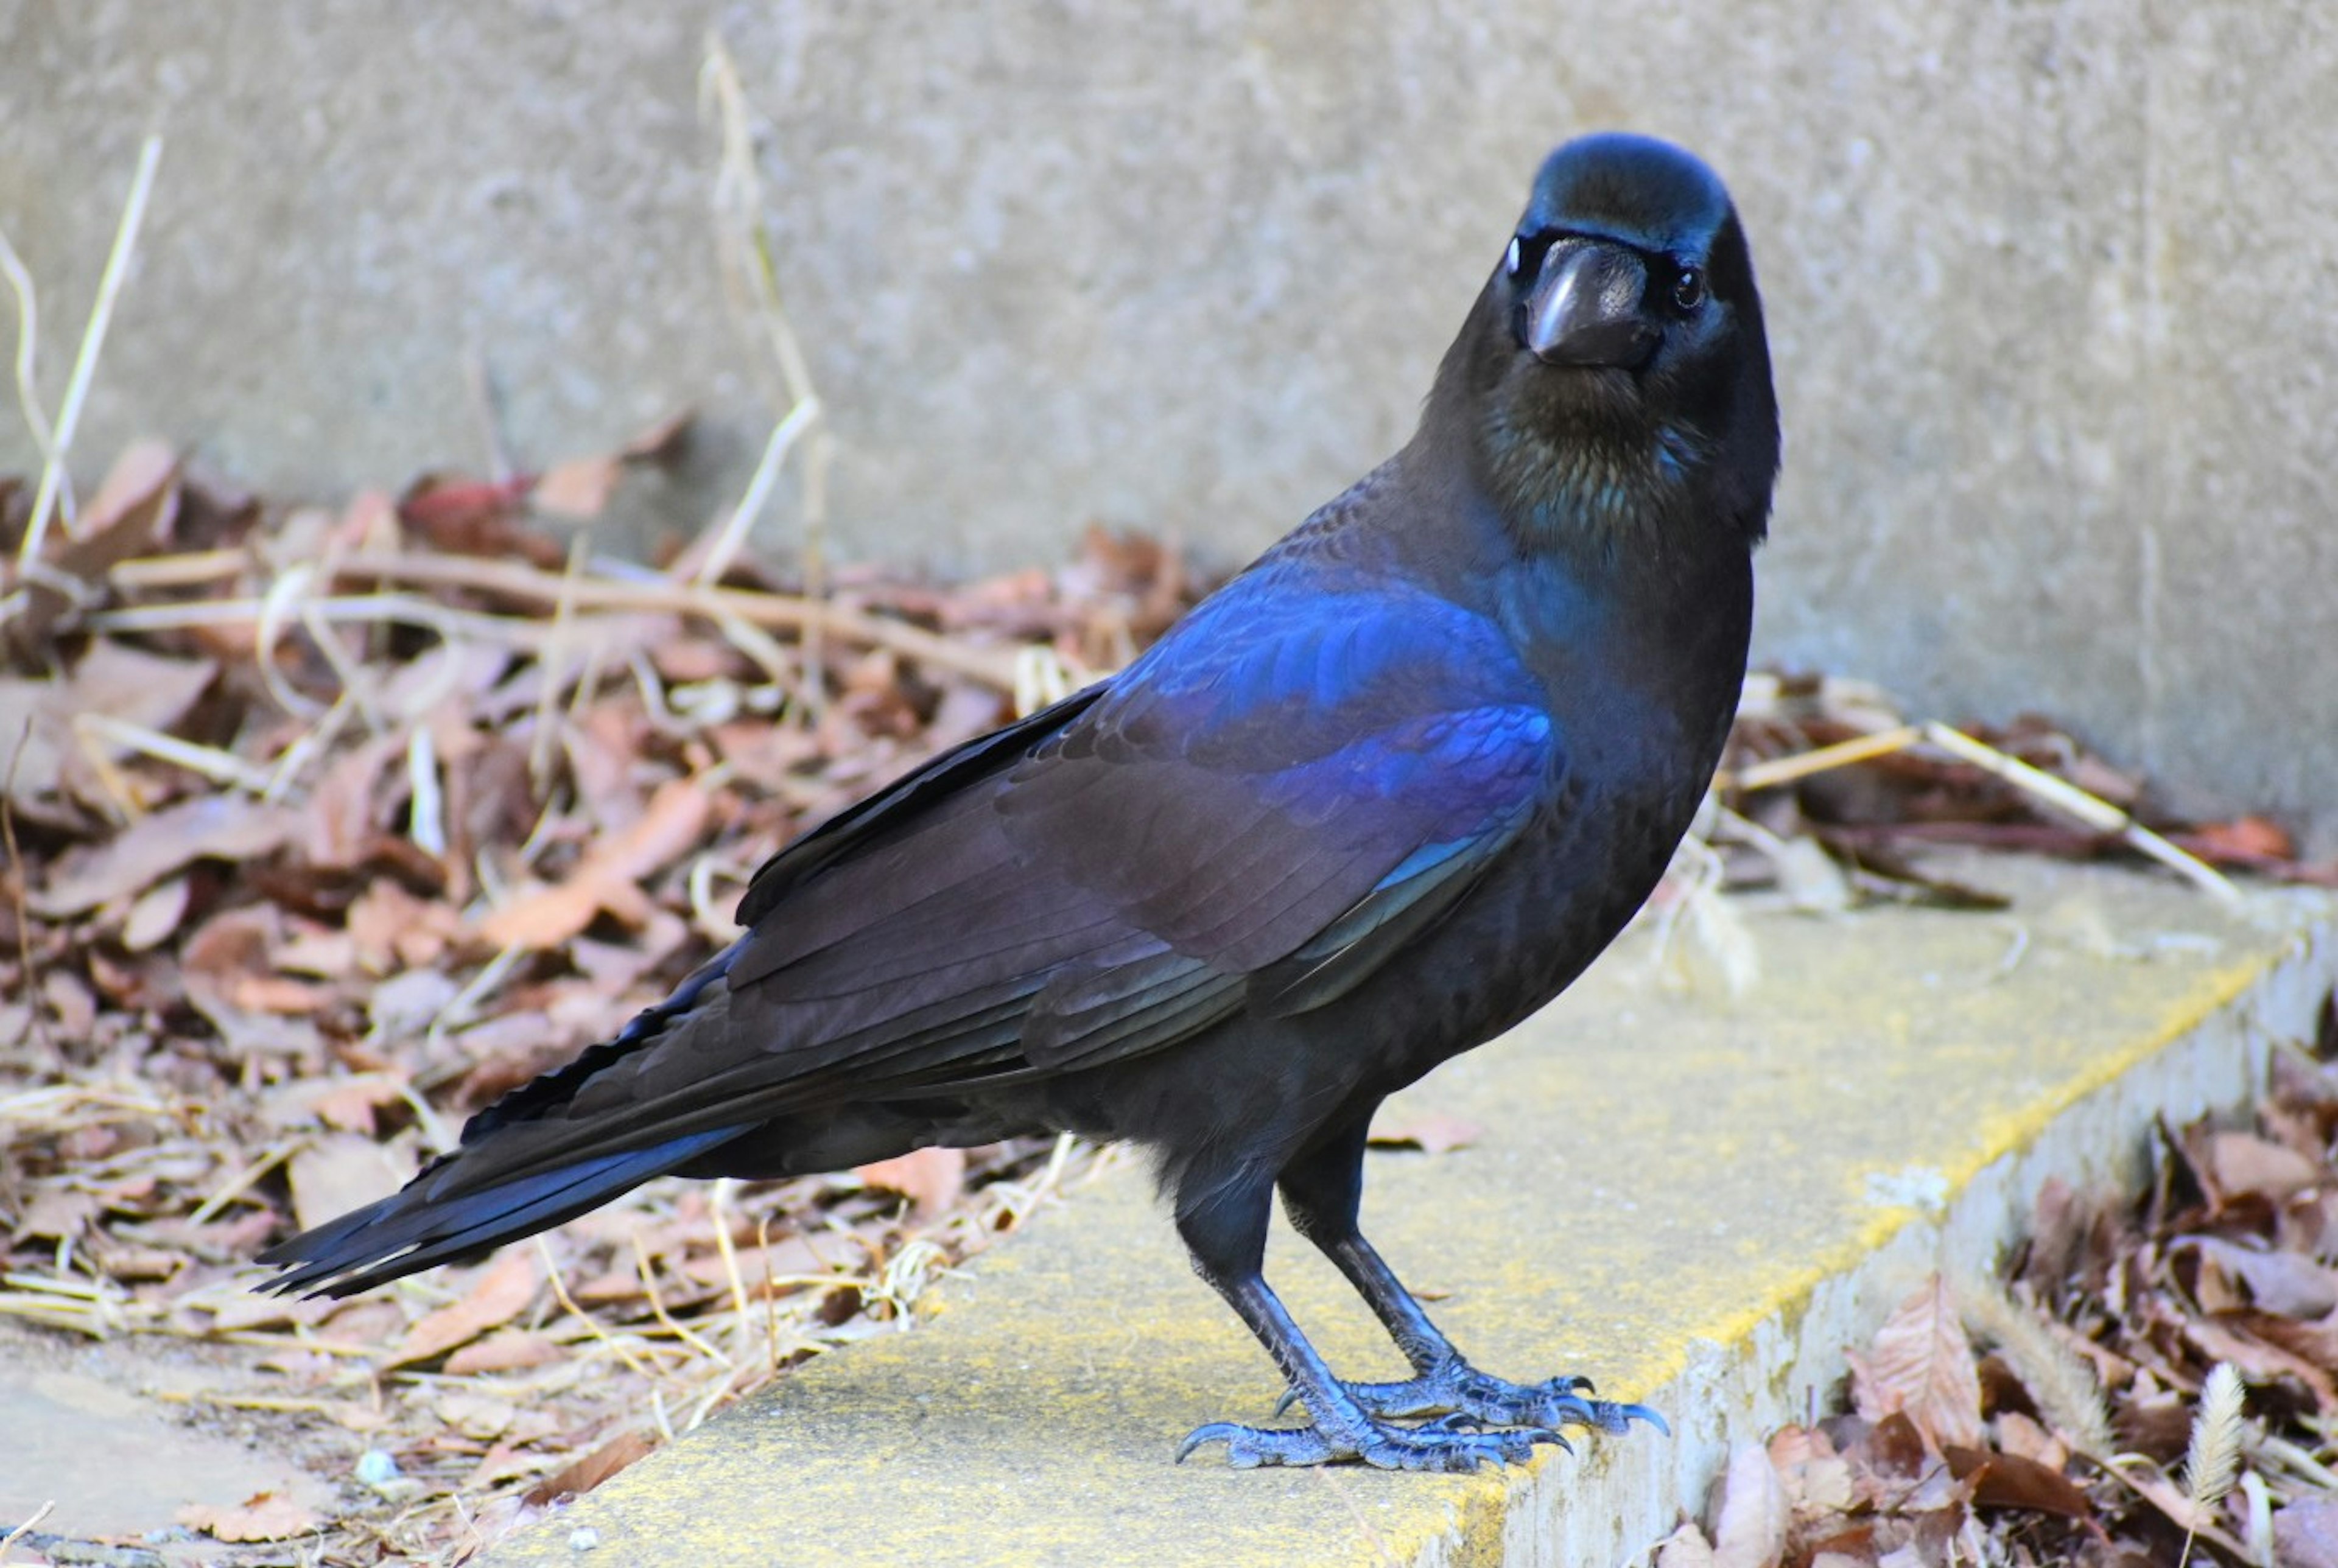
1377, 800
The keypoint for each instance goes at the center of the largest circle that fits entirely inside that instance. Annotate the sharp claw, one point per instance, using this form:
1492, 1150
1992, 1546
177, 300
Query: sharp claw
1476, 1402
1214, 1432
1457, 1443
1535, 1434
1570, 1410
1625, 1414
1289, 1397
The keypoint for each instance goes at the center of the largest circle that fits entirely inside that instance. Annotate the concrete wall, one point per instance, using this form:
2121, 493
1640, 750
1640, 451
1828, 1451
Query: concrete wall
2051, 284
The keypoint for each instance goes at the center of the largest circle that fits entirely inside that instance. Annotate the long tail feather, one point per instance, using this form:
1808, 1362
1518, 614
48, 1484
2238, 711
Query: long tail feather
415, 1229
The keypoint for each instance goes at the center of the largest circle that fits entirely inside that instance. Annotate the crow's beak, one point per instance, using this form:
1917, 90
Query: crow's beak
1588, 307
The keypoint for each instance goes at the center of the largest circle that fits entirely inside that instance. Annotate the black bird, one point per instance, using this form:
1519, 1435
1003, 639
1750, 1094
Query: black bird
1373, 802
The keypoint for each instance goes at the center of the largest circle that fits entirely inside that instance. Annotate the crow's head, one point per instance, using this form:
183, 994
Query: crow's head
1615, 368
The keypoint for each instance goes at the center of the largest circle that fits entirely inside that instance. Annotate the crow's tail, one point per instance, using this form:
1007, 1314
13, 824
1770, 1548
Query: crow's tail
440, 1217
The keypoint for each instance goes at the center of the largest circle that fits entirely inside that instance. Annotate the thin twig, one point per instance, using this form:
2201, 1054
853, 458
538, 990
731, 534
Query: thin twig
28, 343
8, 1542
2063, 795
747, 250
592, 1326
2091, 810
782, 610
729, 536
1780, 770
92, 340
218, 766
19, 880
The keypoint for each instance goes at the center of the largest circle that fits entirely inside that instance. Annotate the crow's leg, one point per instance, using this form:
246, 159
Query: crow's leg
1322, 1191
1226, 1233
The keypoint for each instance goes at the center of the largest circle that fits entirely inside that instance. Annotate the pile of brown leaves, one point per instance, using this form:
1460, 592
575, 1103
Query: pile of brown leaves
2043, 1420
1835, 765
324, 828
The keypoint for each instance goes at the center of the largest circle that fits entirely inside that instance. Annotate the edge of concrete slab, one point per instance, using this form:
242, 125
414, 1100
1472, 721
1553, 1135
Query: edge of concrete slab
1728, 1393
1033, 1421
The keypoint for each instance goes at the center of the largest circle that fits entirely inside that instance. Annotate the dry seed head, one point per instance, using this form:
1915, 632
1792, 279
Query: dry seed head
2062, 1384
2213, 1458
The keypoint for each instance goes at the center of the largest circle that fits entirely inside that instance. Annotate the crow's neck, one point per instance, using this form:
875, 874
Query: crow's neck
1581, 472
1611, 487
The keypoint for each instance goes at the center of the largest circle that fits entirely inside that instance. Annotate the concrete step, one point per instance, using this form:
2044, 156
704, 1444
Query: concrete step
1698, 1199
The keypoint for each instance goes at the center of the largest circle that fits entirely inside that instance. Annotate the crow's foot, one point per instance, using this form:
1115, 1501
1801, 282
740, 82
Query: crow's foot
1453, 1385
1451, 1445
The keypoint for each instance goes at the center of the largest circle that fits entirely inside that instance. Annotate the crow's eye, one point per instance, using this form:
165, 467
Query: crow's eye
1524, 258
1688, 288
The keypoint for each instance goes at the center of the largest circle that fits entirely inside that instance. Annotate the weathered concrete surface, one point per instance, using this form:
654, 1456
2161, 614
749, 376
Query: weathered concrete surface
1700, 1204
2049, 289
92, 1437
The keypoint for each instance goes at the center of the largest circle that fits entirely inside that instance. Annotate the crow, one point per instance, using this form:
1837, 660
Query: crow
1377, 800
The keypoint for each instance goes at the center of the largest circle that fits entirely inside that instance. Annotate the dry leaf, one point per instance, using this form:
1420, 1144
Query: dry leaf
609, 876
209, 827
154, 915
2243, 1163
579, 488
2243, 837
2286, 1284
130, 515
483, 1416
2009, 1481
661, 442
1686, 1547
929, 1178
2305, 1534
506, 1350
503, 1291
129, 685
1751, 1532
1815, 1476
593, 1469
341, 1171
2023, 1438
1921, 1363
265, 1516
1431, 1132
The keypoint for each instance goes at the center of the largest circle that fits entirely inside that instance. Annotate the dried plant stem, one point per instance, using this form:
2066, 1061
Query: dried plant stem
2063, 795
19, 881
93, 340
29, 345
1780, 770
8, 1542
2092, 810
747, 250
721, 546
221, 767
592, 1328
780, 611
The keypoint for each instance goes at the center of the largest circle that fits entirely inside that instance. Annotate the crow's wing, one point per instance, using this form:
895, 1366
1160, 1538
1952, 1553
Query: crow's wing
1257, 812
1259, 809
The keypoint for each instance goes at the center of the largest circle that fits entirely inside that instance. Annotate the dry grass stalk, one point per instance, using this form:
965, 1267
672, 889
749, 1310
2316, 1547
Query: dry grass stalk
748, 255
8, 1542
2059, 794
780, 612
54, 486
28, 343
2095, 812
